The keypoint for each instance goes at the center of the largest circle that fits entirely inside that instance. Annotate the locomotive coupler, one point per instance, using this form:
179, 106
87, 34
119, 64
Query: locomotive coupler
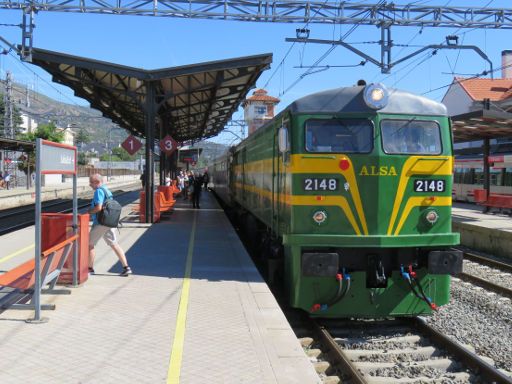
375, 274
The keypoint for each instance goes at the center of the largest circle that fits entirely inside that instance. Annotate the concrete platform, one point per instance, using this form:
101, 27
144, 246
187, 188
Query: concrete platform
196, 310
485, 232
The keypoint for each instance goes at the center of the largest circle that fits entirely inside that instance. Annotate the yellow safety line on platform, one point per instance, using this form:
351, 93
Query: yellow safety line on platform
173, 375
8, 257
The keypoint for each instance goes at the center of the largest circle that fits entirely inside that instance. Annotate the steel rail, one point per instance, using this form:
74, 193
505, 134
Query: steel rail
470, 359
488, 262
25, 224
485, 284
337, 354
30, 208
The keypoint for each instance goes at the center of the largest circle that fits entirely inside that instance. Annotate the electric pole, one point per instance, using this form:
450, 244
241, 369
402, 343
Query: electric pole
8, 117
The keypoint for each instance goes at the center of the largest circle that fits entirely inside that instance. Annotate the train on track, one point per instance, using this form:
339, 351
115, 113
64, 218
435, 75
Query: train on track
347, 196
468, 175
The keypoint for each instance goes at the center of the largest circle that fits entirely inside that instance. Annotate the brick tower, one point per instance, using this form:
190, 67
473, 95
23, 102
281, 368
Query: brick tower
258, 109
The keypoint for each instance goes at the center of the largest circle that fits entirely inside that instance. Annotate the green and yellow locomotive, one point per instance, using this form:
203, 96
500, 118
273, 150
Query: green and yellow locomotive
350, 189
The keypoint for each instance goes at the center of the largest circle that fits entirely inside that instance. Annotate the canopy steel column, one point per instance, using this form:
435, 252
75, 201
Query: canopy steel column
164, 160
487, 177
150, 143
163, 155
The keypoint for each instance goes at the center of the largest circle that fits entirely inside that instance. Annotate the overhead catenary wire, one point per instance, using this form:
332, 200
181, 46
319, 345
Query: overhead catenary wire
19, 62
327, 53
322, 57
429, 57
291, 47
484, 73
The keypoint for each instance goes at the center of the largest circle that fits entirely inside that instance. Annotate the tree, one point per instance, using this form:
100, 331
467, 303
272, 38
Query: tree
82, 158
82, 137
118, 154
44, 131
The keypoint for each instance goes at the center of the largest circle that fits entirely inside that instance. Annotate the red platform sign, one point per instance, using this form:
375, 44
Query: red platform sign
168, 145
131, 144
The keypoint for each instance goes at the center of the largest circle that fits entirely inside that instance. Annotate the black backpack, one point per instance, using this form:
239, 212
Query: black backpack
110, 213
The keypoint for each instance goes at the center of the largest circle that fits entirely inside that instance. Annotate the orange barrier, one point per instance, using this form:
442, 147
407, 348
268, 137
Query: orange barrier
494, 200
55, 228
480, 195
17, 284
23, 276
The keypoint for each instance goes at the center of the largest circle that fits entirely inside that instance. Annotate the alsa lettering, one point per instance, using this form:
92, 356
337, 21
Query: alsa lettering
373, 170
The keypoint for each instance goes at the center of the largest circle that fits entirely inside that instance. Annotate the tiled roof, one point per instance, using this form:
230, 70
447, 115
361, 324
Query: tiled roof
493, 89
261, 95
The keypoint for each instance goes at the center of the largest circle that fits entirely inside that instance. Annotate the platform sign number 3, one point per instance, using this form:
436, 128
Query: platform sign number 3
131, 144
168, 145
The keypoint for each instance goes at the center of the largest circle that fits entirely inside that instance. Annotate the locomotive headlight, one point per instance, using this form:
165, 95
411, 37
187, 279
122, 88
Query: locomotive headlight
431, 217
376, 96
319, 217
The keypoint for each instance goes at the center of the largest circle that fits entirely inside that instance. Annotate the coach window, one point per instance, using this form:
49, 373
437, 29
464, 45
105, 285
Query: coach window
411, 137
339, 135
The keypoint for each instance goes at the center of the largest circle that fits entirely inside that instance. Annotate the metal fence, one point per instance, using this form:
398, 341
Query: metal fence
84, 171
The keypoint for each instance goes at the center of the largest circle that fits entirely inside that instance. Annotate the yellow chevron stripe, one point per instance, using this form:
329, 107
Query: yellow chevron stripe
321, 164
330, 164
418, 165
421, 202
339, 201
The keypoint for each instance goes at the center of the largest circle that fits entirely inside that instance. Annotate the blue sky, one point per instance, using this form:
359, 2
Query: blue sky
156, 42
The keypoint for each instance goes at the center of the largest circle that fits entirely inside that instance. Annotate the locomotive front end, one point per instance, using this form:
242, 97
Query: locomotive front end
370, 210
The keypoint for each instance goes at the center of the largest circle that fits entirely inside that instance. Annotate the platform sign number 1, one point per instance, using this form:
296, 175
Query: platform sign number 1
168, 145
131, 144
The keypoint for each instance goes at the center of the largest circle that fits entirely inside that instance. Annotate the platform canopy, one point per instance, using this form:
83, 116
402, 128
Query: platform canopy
482, 124
16, 145
189, 102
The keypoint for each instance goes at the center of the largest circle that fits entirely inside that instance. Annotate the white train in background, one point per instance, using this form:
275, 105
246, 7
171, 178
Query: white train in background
468, 175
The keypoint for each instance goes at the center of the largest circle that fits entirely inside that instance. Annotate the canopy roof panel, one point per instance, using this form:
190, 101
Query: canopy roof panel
191, 102
16, 145
481, 124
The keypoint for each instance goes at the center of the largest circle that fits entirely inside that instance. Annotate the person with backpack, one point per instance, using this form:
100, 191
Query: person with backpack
99, 201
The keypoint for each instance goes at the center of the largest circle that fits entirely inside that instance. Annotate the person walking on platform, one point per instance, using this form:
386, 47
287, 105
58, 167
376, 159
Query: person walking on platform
143, 178
196, 194
206, 179
102, 193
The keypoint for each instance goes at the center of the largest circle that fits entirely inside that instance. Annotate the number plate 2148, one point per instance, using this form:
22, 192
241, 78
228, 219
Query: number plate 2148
430, 185
320, 184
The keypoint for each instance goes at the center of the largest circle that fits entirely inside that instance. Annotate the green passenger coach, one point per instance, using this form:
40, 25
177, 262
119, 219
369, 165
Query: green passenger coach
349, 192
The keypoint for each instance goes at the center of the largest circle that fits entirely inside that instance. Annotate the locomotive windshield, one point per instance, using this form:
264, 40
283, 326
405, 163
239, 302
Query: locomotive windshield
339, 135
411, 137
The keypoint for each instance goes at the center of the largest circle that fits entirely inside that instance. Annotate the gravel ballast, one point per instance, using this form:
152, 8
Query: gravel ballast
479, 319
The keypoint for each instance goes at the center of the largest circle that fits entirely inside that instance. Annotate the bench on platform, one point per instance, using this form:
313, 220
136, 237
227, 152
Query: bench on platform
164, 204
17, 284
492, 200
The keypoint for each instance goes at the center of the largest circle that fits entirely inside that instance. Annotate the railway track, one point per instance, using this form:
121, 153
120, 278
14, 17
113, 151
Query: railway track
18, 218
394, 351
488, 274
